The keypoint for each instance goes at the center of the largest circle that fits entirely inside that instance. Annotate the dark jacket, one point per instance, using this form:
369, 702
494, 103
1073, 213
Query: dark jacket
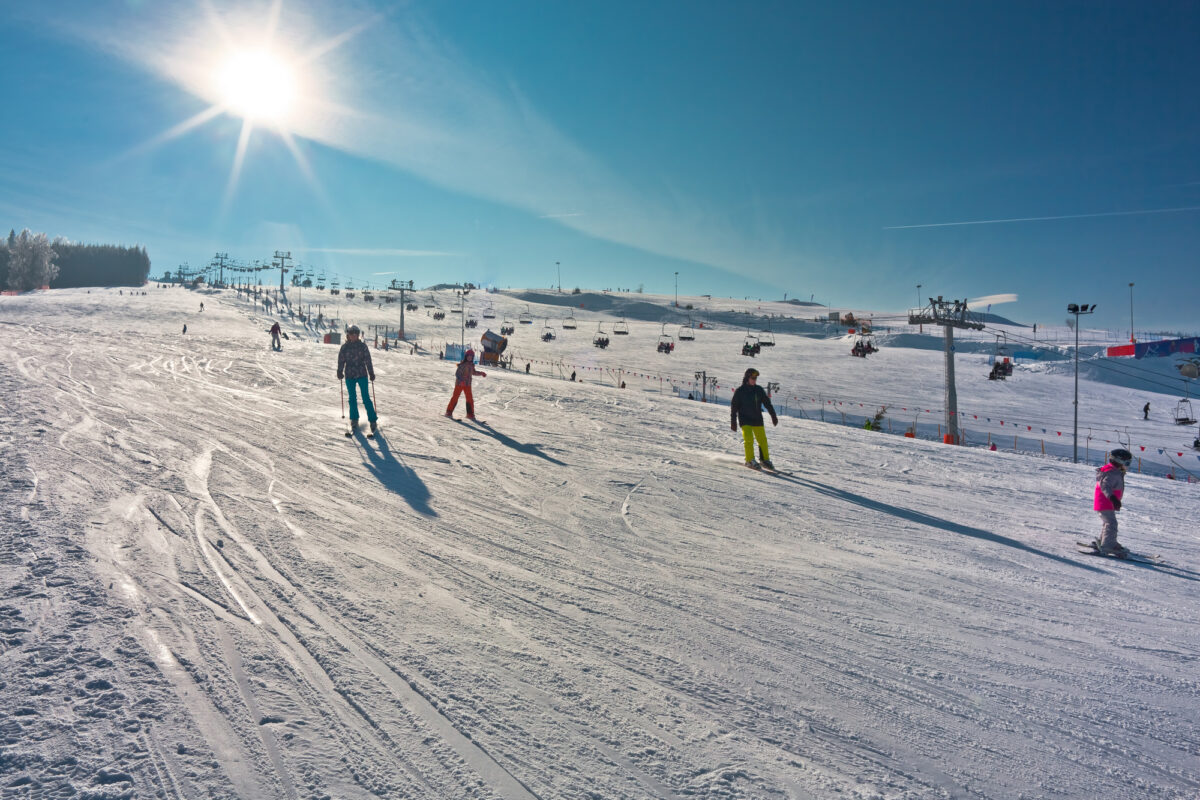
354, 361
464, 372
747, 405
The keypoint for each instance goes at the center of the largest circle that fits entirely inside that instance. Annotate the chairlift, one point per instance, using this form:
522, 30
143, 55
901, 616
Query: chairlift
765, 337
431, 303
471, 322
1183, 412
687, 333
751, 346
666, 342
489, 313
525, 318
601, 338
864, 345
333, 288
621, 328
439, 315
569, 324
548, 334
507, 328
410, 306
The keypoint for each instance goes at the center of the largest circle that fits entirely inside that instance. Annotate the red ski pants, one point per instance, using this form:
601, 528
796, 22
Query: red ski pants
454, 400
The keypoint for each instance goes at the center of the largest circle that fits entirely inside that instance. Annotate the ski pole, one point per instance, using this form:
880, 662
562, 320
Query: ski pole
342, 394
373, 402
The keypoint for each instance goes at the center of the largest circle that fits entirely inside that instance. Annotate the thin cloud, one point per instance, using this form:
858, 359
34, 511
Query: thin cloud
375, 252
1043, 219
560, 216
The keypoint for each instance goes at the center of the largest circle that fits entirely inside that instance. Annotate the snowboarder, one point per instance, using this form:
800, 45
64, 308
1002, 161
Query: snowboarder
462, 384
275, 331
1110, 487
746, 405
354, 364
1146, 411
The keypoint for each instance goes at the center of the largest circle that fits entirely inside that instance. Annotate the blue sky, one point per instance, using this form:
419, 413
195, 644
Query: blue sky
816, 149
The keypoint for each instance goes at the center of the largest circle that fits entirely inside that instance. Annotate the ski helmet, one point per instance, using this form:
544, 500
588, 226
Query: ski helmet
750, 373
1121, 456
353, 329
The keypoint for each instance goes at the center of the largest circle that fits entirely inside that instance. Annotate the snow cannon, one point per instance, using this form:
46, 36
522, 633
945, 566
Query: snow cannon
493, 342
493, 345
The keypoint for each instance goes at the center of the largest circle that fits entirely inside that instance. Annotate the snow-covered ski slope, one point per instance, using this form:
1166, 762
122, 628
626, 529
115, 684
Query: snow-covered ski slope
207, 591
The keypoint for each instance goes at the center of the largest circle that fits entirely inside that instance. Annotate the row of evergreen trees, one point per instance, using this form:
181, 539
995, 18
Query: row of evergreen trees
30, 260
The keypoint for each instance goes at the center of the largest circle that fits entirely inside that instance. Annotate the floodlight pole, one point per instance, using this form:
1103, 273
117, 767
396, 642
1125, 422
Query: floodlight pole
1132, 338
559, 270
950, 314
677, 290
1077, 309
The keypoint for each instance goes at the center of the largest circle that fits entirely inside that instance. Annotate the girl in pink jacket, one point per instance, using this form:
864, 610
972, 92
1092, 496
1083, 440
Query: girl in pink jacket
462, 384
1110, 487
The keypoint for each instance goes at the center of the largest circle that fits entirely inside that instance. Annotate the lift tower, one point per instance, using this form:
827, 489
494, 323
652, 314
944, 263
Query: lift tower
950, 314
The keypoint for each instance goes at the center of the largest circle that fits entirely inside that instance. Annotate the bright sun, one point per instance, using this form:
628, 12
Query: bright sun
258, 86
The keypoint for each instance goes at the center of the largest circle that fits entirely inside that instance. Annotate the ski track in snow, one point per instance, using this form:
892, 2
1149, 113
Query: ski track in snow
209, 591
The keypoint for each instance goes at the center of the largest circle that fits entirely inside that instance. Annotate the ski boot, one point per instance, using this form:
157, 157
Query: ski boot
766, 462
753, 465
374, 426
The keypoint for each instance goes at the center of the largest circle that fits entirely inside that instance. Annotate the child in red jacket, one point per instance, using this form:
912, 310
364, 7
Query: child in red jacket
462, 384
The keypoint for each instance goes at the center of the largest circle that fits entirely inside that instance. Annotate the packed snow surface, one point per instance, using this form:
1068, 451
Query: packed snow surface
209, 591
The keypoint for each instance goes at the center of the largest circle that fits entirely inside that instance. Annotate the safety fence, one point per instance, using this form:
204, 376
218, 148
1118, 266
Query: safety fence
991, 431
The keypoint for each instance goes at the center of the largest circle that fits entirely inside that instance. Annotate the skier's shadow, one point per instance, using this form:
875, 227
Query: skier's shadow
934, 522
529, 447
394, 475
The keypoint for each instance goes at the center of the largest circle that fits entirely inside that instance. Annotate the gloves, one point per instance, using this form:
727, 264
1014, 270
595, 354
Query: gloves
372, 376
340, 378
774, 420
733, 427
481, 374
1116, 504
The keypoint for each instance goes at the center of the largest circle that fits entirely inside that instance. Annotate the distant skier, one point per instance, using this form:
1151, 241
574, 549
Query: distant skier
275, 331
354, 364
462, 384
202, 305
185, 327
746, 405
1146, 411
1110, 488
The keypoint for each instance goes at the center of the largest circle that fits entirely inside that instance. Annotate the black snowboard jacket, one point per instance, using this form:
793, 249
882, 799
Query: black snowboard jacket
747, 405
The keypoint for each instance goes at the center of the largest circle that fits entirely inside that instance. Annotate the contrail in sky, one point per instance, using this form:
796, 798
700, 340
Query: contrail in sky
1040, 219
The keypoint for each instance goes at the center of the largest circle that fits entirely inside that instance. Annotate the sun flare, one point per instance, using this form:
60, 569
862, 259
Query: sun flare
258, 86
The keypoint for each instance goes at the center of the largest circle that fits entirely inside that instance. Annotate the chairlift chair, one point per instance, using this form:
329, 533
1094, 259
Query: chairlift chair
666, 342
621, 328
410, 306
601, 338
751, 346
333, 288
489, 313
569, 324
687, 333
471, 322
431, 303
525, 318
766, 339
1183, 412
507, 328
548, 334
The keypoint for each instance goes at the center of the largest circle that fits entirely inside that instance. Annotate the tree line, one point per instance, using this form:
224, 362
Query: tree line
31, 260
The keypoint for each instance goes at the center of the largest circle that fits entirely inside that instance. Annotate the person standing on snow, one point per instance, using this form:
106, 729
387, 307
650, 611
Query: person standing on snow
275, 331
354, 364
746, 405
1110, 487
1146, 411
462, 384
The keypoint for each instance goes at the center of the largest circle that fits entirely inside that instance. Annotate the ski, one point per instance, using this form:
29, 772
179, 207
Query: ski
1089, 549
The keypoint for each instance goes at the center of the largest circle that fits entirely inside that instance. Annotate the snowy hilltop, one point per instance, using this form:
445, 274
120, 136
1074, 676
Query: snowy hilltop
210, 591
